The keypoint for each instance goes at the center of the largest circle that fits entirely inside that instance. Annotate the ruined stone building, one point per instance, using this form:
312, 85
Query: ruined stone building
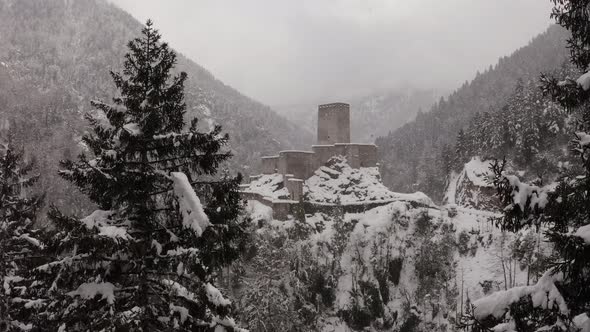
333, 139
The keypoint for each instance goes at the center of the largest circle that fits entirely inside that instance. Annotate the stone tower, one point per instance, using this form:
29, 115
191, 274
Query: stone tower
333, 123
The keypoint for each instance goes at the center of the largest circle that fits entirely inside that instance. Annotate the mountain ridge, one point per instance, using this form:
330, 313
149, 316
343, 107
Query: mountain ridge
57, 56
55, 48
410, 156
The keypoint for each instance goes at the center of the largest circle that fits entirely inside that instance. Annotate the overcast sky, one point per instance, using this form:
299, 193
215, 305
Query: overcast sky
295, 51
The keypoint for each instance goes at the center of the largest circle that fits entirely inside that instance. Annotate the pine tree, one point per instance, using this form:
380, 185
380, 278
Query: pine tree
146, 259
462, 149
476, 133
560, 301
446, 160
18, 239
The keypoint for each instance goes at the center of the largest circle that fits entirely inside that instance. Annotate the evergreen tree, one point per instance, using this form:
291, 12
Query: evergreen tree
462, 149
446, 159
476, 134
145, 261
499, 140
560, 301
18, 238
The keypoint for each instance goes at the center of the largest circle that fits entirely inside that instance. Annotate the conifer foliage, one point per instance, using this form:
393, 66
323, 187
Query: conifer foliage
144, 261
560, 301
18, 239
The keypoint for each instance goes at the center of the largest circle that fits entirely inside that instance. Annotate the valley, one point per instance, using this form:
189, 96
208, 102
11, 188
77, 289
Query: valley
140, 192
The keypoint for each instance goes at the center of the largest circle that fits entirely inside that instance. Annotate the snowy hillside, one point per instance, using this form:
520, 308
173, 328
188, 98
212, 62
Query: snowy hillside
397, 266
378, 268
421, 143
94, 33
336, 181
268, 185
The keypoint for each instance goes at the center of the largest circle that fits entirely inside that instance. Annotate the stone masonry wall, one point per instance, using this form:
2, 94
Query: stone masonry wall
298, 163
333, 123
367, 155
323, 153
270, 164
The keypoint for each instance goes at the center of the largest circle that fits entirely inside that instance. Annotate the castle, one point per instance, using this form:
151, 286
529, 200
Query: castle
333, 139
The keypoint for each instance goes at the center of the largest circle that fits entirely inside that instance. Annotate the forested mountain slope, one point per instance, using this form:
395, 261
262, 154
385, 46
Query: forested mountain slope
413, 156
56, 55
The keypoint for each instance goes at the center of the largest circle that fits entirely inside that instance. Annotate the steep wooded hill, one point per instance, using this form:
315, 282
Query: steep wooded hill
410, 155
67, 48
56, 55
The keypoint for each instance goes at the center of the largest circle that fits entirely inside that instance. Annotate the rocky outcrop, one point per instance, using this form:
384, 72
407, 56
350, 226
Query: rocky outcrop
471, 188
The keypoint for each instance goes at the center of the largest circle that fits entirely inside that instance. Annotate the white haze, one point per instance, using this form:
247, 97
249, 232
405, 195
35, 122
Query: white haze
286, 52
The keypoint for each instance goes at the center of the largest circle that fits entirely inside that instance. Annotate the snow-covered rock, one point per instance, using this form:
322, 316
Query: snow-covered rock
268, 185
471, 187
333, 182
352, 186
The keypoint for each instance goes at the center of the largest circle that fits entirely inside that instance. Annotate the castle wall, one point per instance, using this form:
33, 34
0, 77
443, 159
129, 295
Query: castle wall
270, 164
286, 178
358, 155
298, 163
333, 123
350, 152
295, 187
322, 154
367, 155
281, 209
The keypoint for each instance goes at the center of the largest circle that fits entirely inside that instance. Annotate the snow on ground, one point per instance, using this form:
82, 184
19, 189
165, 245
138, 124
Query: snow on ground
268, 185
353, 186
258, 211
393, 224
486, 264
337, 181
378, 221
387, 227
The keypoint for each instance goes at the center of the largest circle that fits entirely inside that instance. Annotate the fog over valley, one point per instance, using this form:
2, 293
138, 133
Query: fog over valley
294, 52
